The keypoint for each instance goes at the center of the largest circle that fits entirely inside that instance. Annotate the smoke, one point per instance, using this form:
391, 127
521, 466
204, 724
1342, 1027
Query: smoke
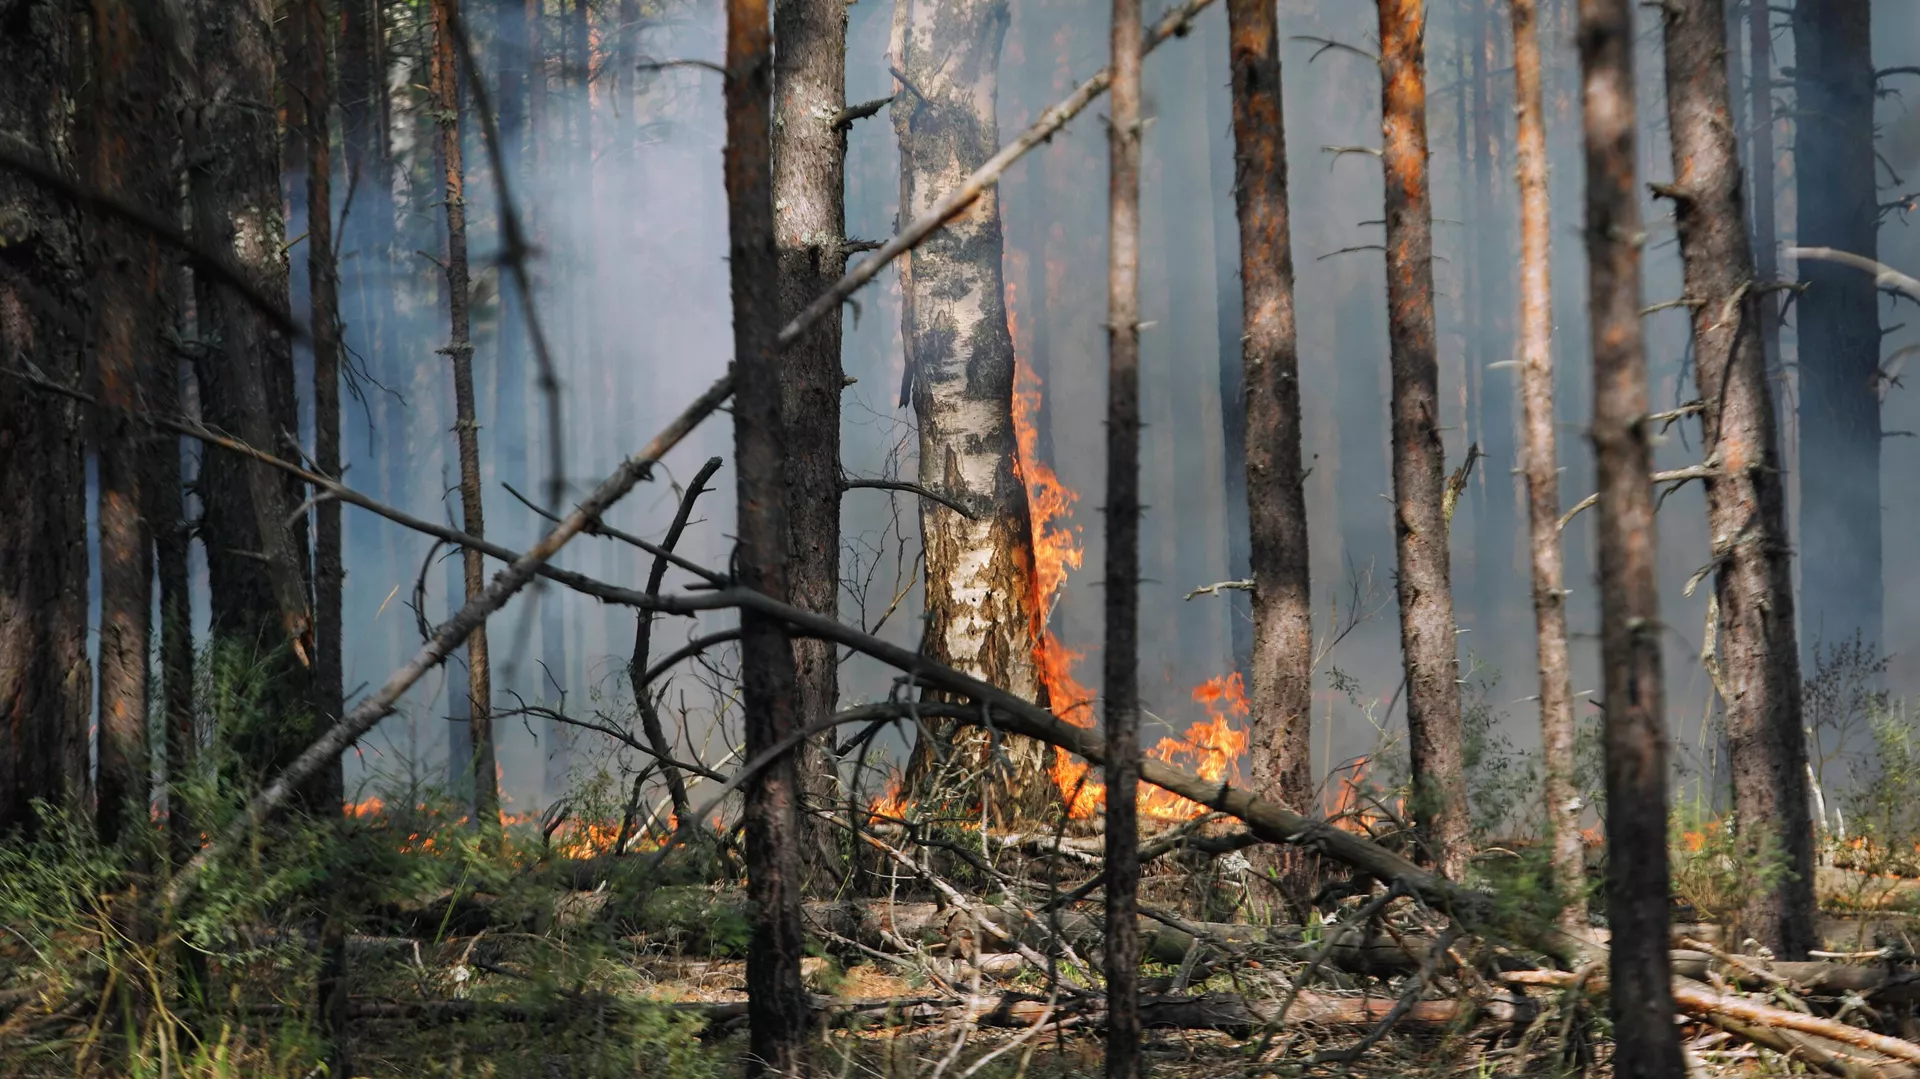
631, 280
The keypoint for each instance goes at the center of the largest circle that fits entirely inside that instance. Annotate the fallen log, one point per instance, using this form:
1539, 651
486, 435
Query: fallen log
1698, 1001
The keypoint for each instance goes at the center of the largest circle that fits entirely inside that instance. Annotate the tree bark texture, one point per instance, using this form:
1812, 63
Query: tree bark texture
45, 678
1419, 462
165, 509
1760, 179
256, 544
459, 350
1759, 663
778, 1012
809, 235
130, 148
1539, 462
1120, 659
1838, 319
960, 367
1270, 362
1645, 1042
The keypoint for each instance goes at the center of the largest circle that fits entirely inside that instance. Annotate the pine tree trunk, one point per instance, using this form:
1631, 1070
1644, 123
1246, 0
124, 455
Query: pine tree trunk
1838, 318
256, 545
1223, 155
129, 148
1645, 1041
777, 1015
809, 234
1539, 461
1760, 179
1420, 527
45, 678
1759, 677
960, 368
1120, 660
163, 490
459, 350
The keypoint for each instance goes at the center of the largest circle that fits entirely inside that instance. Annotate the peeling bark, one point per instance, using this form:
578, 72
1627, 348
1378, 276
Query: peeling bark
777, 1012
1759, 678
45, 678
960, 367
1419, 462
1539, 461
1645, 1042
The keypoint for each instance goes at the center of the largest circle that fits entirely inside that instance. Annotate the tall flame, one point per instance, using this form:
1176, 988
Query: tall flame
1213, 747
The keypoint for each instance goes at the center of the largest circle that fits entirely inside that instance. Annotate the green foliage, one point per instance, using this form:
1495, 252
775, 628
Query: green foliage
1883, 807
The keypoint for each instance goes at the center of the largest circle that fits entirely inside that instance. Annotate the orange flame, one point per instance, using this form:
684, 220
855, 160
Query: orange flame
1214, 747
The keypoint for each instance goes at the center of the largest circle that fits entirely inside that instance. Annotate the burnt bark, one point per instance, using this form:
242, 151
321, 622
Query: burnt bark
459, 352
1419, 462
1759, 663
256, 545
129, 150
1539, 462
777, 1012
45, 678
165, 510
1645, 1041
1120, 660
1838, 320
960, 369
1270, 370
809, 235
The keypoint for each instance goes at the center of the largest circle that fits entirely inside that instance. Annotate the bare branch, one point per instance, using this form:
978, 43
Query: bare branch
1884, 276
1676, 477
1215, 588
912, 489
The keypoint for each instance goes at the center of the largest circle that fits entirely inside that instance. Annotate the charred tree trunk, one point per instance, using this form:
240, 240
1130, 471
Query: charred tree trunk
1746, 505
1419, 462
809, 235
1539, 461
1839, 324
1645, 1041
459, 351
45, 678
960, 368
777, 1009
130, 149
1121, 658
1223, 163
165, 509
1274, 486
256, 544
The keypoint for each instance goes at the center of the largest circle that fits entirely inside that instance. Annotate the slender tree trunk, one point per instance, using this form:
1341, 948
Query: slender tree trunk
1839, 324
165, 511
1121, 658
1539, 461
311, 108
809, 235
979, 573
459, 350
1645, 1041
777, 1008
1419, 465
1223, 154
1274, 484
1746, 506
130, 148
45, 678
256, 543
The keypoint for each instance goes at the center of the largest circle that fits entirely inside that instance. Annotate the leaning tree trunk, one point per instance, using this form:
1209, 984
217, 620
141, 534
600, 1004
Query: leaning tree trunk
809, 235
256, 543
777, 1013
45, 679
960, 366
459, 350
130, 142
1645, 1040
1759, 677
1275, 483
1539, 461
1120, 661
1420, 527
1838, 318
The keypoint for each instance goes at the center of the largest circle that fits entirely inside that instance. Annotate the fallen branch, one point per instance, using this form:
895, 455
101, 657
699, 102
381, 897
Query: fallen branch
1700, 1002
